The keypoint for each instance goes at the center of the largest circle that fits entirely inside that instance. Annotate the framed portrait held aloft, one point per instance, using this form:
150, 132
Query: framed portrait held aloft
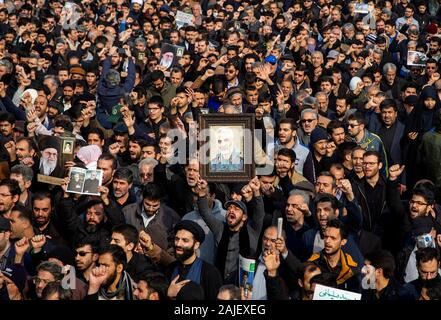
226, 152
67, 148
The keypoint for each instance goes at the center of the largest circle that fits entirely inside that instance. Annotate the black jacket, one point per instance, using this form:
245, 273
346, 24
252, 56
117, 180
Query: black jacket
393, 291
139, 265
76, 227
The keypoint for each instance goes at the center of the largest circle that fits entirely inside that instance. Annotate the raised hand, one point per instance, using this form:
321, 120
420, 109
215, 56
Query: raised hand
64, 185
255, 186
281, 246
346, 187
202, 188
104, 194
114, 148
395, 171
272, 261
208, 73
38, 241
97, 278
145, 241
247, 192
28, 161
175, 287
10, 147
21, 246
31, 115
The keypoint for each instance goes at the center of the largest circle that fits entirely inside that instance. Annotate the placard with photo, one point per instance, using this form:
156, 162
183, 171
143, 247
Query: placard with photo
170, 55
416, 58
84, 181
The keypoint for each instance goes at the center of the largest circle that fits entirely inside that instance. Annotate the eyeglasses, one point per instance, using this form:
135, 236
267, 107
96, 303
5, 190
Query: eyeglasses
418, 203
37, 280
81, 253
353, 125
307, 120
353, 68
230, 71
369, 164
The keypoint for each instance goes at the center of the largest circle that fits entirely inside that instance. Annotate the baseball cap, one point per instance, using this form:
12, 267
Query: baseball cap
271, 59
288, 56
333, 54
116, 114
5, 224
238, 204
165, 8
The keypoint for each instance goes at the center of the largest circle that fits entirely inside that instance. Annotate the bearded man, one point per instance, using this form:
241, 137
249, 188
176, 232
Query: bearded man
49, 165
110, 281
188, 238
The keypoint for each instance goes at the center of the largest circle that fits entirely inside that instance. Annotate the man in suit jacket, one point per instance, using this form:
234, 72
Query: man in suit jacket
390, 130
91, 185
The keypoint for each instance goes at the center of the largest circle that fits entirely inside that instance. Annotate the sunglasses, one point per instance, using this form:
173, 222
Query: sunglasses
81, 253
307, 120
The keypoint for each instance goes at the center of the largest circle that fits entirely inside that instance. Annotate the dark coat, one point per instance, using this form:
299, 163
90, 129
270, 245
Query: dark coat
161, 228
109, 96
139, 265
395, 152
393, 291
76, 227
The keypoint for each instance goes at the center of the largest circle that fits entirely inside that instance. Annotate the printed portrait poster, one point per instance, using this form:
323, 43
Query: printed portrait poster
50, 160
416, 58
67, 148
84, 181
170, 55
183, 19
361, 8
247, 268
227, 148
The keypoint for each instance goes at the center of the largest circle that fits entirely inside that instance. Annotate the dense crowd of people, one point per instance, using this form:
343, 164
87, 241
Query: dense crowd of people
345, 100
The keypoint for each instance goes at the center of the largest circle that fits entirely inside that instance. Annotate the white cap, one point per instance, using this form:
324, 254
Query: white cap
140, 2
354, 82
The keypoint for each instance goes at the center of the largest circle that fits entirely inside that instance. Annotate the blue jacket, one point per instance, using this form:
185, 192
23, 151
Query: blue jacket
109, 96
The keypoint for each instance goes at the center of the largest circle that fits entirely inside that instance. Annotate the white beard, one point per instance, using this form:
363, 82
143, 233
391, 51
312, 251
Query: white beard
46, 166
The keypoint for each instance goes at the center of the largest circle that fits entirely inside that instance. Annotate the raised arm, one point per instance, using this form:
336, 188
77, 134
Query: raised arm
216, 226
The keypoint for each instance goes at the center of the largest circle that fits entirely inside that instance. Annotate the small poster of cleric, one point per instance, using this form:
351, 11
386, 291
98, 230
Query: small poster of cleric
247, 268
170, 55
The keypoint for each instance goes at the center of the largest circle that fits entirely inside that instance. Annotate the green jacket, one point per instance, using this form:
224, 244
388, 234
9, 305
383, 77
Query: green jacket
167, 93
430, 153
